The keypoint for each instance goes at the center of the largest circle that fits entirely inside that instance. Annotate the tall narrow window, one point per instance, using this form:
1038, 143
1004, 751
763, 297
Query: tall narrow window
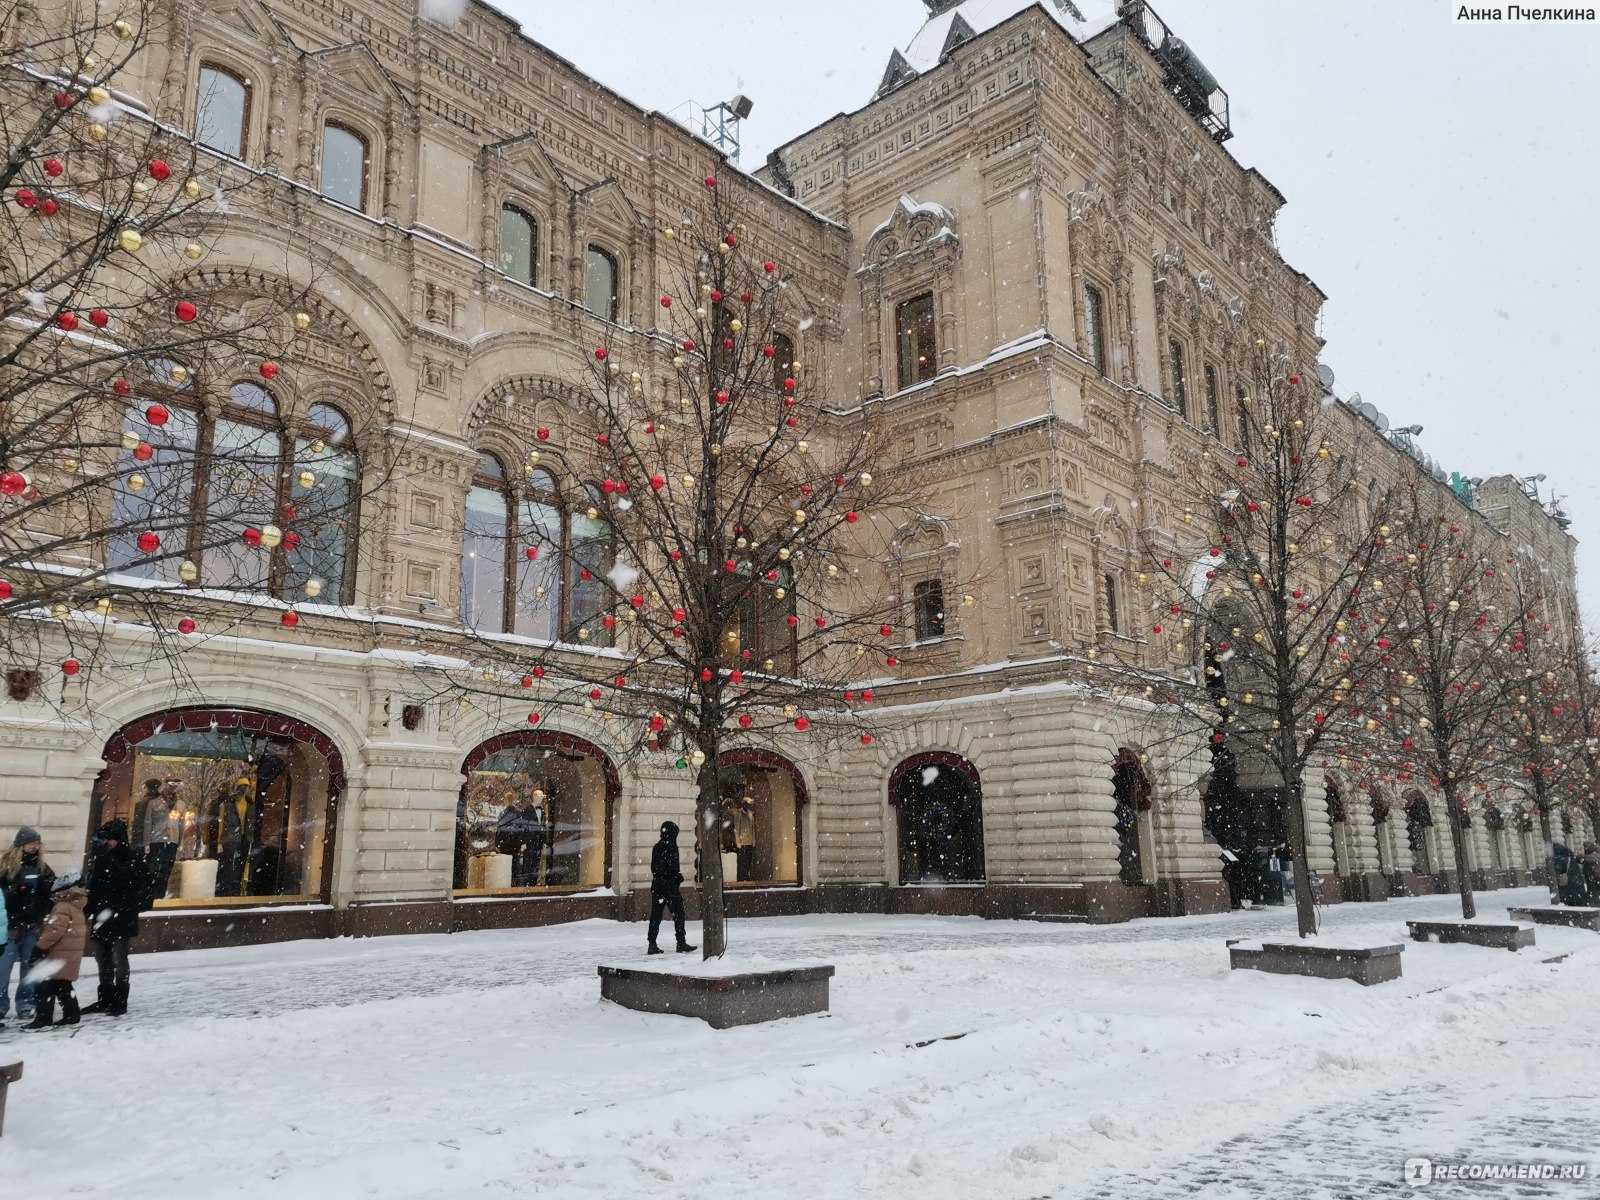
519, 244
927, 601
914, 332
1213, 401
600, 283
782, 359
1094, 327
344, 165
1241, 418
1113, 620
221, 110
589, 561
484, 550
326, 486
1180, 380
539, 532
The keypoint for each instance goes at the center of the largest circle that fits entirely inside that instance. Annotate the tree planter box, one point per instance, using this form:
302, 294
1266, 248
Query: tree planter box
1473, 933
1576, 917
736, 997
9, 1074
1366, 965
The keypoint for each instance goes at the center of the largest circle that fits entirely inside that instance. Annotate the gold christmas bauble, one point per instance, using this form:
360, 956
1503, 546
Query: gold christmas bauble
136, 483
123, 29
783, 554
140, 189
97, 132
178, 375
194, 251
191, 189
271, 536
799, 516
307, 479
131, 240
103, 606
60, 612
69, 466
803, 447
735, 325
98, 95
130, 439
313, 587
188, 572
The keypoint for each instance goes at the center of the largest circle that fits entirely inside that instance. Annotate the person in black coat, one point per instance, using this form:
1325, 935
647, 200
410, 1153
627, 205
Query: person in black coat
665, 879
118, 886
1570, 884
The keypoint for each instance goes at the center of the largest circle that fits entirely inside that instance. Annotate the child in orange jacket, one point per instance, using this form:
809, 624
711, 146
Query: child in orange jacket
59, 954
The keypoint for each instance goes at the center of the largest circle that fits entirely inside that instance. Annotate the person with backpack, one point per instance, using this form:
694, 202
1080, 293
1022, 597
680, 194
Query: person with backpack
25, 880
59, 954
119, 889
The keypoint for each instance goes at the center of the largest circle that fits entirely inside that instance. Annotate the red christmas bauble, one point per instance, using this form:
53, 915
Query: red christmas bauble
822, 622
736, 676
291, 540
25, 198
851, 518
68, 321
705, 674
866, 696
269, 370
802, 724
533, 718
144, 452
594, 693
688, 345
600, 353
99, 318
711, 181
159, 170
71, 667
121, 387
185, 311
289, 619
5, 589
658, 482
769, 351
792, 620
885, 630
538, 672
149, 541
744, 721
532, 553
866, 739
252, 537
12, 483
63, 100
666, 302
53, 167
48, 207
769, 267
542, 434
186, 625
157, 414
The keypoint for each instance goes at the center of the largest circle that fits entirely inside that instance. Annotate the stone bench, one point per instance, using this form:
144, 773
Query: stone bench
1472, 933
736, 998
9, 1074
1366, 965
1577, 917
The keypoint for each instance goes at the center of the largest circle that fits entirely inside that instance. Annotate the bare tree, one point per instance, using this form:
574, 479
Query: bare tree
727, 574
150, 466
1451, 657
1268, 581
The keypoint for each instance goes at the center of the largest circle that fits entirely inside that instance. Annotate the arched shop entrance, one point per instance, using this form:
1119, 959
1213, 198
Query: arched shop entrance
534, 816
940, 802
762, 799
228, 805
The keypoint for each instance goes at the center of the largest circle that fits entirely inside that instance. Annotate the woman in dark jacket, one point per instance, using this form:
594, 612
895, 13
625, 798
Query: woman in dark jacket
117, 891
25, 881
1570, 885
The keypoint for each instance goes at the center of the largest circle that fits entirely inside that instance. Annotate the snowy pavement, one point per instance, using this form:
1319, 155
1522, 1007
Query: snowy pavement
962, 1058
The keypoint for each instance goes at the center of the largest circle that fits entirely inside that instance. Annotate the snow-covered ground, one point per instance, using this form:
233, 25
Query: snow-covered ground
962, 1058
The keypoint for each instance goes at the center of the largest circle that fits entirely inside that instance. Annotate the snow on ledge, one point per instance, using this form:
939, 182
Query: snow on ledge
726, 967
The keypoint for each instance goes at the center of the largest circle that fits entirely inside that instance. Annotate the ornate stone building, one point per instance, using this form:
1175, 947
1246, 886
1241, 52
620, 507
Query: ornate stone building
1031, 248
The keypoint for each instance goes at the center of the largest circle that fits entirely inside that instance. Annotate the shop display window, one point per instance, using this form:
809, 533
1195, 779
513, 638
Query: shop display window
532, 817
760, 841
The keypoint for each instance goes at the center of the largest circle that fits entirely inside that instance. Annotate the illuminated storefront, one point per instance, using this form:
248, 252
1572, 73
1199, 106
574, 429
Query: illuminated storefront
763, 796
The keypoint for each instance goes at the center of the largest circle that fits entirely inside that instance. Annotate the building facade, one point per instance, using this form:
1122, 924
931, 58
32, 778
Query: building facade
1030, 250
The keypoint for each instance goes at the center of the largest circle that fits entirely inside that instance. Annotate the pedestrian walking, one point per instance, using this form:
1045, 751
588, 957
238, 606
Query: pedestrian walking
1571, 888
1591, 871
25, 880
119, 888
666, 878
59, 954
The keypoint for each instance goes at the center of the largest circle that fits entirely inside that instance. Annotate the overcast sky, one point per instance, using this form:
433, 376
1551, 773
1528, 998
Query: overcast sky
1440, 178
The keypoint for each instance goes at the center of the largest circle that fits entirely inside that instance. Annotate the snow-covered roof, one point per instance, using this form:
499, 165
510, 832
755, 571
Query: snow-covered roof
1081, 18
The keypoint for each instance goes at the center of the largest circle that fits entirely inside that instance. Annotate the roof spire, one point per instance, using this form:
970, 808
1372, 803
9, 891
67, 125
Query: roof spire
935, 7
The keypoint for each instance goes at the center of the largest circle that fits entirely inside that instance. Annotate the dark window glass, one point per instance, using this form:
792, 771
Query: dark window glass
927, 600
221, 111
1112, 621
600, 283
1213, 401
519, 244
1241, 403
914, 331
588, 563
1094, 327
782, 359
1180, 380
326, 485
344, 165
484, 549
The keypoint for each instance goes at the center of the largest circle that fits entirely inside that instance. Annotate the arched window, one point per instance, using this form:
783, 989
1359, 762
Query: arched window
344, 165
222, 110
519, 244
600, 283
558, 555
234, 500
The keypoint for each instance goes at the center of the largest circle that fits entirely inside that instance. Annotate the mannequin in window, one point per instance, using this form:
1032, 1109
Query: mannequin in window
141, 810
161, 834
233, 823
744, 836
520, 833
